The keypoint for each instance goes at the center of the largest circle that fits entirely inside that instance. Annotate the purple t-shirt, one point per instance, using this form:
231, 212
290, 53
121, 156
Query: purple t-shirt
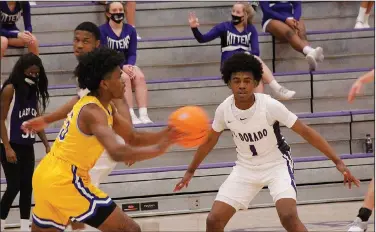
232, 41
125, 43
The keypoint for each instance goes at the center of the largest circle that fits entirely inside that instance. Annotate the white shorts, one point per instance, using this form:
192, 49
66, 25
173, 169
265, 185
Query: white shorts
104, 166
243, 184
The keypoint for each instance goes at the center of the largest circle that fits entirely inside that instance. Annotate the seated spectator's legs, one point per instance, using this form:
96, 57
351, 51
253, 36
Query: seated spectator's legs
32, 43
4, 46
141, 92
268, 78
363, 15
297, 39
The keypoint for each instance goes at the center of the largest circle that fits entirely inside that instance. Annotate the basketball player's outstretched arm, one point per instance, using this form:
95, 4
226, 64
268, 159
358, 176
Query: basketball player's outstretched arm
41, 122
199, 156
93, 120
316, 140
135, 138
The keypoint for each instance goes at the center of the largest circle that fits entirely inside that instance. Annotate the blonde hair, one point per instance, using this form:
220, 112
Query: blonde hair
249, 12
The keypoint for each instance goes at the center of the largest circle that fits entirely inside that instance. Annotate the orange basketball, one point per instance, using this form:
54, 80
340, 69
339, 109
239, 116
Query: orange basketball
193, 122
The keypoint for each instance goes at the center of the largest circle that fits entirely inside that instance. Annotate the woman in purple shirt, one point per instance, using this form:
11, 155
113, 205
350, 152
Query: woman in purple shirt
23, 96
10, 13
122, 37
239, 35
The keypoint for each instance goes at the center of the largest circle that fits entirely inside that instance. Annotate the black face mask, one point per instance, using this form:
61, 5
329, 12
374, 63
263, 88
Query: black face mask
31, 80
236, 19
117, 17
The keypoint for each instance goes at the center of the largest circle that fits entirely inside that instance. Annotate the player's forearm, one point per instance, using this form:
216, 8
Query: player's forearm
368, 77
61, 112
126, 153
4, 134
201, 154
316, 140
147, 138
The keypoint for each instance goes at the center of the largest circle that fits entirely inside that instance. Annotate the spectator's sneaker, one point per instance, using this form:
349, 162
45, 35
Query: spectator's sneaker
33, 3
358, 226
145, 119
313, 57
285, 94
135, 120
359, 25
366, 25
138, 37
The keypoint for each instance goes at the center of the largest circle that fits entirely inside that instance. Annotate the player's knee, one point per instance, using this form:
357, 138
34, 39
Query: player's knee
288, 218
214, 222
135, 228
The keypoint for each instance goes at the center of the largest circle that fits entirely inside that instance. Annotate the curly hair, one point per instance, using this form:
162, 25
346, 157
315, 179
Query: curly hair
17, 79
94, 67
241, 62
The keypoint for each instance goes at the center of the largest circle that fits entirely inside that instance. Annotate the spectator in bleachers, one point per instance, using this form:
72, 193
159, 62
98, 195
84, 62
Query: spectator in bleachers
363, 15
239, 35
23, 96
130, 13
10, 13
122, 37
282, 20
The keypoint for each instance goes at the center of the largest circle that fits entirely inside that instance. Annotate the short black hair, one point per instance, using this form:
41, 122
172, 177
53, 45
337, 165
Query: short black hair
241, 62
89, 27
95, 65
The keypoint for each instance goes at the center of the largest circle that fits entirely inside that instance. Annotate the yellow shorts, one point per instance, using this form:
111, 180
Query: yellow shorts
63, 193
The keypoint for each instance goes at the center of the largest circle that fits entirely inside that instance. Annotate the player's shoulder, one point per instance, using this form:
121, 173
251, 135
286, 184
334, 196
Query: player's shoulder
129, 27
227, 101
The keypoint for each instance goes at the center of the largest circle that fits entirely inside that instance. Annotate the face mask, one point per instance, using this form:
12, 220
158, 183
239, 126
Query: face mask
236, 19
117, 17
30, 80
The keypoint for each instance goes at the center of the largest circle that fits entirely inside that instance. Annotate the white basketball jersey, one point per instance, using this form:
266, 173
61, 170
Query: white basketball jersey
256, 141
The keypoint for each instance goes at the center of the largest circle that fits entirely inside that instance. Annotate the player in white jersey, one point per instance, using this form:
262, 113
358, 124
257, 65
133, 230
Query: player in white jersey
263, 155
365, 212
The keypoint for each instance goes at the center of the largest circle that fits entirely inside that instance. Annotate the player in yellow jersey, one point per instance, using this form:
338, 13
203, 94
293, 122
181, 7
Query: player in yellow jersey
61, 182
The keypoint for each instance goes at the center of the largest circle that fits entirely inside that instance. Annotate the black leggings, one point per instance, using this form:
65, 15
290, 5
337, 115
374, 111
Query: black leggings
19, 179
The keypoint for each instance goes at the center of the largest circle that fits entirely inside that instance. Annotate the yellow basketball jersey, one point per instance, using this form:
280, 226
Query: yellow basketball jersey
74, 146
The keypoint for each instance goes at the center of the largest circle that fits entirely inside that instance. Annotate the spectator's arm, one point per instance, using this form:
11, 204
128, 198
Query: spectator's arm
103, 36
297, 10
255, 49
27, 16
132, 49
214, 33
270, 13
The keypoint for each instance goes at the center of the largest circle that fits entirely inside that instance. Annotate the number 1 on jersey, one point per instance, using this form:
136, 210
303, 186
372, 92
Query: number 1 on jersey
253, 150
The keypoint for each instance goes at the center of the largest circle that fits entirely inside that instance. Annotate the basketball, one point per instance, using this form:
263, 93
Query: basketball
193, 122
